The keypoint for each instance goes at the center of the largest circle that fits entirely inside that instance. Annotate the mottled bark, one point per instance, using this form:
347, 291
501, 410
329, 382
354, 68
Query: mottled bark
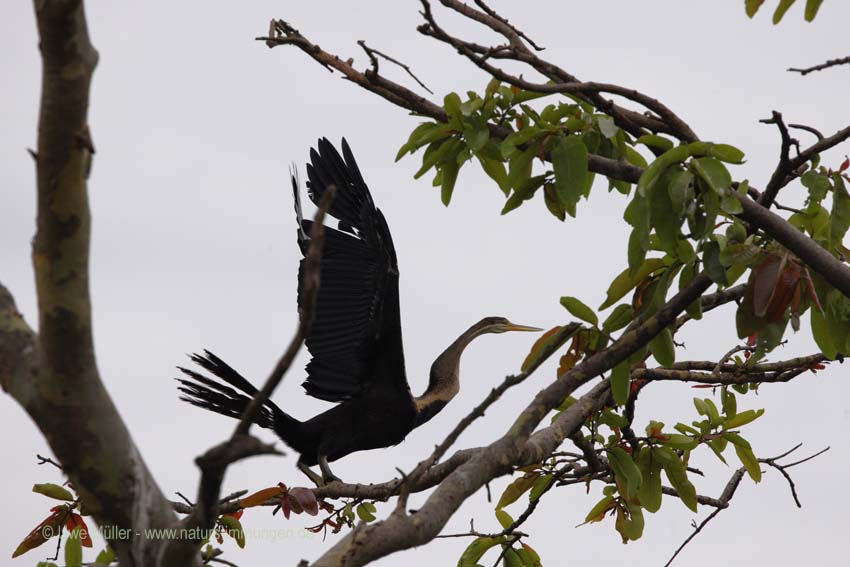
53, 374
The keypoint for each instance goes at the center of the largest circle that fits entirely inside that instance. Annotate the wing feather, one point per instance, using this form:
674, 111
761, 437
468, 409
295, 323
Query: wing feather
357, 305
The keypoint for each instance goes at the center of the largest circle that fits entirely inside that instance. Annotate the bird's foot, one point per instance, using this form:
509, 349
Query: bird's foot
314, 478
327, 475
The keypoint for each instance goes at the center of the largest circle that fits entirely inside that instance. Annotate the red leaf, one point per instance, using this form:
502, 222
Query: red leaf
48, 528
306, 499
844, 164
261, 496
765, 276
783, 294
284, 506
75, 520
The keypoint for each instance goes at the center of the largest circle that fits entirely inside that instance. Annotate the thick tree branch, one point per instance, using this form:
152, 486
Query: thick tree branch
516, 447
786, 170
54, 375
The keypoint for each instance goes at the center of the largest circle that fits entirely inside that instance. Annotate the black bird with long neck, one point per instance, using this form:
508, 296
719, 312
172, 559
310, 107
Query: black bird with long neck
355, 337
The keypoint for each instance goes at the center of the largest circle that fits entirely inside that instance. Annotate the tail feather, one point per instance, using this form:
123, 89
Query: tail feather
212, 395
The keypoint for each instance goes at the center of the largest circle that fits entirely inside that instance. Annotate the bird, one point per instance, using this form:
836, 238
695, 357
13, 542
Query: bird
355, 338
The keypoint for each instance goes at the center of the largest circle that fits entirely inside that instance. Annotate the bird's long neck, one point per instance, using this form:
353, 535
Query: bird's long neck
444, 383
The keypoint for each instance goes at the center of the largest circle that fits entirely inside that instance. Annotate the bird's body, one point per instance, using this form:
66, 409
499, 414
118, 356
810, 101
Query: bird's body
355, 337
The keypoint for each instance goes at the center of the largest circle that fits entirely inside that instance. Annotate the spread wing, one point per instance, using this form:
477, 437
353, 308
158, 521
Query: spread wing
355, 337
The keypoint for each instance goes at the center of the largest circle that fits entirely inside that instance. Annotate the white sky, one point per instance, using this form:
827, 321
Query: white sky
195, 126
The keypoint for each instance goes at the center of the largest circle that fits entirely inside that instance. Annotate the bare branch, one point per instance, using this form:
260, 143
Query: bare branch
783, 168
213, 464
728, 493
310, 284
825, 65
562, 81
373, 52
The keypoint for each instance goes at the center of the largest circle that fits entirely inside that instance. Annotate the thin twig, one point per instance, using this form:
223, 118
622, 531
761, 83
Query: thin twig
809, 129
373, 52
820, 67
310, 284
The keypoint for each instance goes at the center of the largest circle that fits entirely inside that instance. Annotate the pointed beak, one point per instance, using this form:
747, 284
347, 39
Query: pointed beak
513, 327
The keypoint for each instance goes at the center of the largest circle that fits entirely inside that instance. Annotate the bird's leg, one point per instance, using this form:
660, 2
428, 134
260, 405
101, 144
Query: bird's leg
314, 478
327, 475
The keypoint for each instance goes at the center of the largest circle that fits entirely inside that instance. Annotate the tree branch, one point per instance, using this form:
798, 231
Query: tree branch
53, 375
820, 67
215, 461
810, 252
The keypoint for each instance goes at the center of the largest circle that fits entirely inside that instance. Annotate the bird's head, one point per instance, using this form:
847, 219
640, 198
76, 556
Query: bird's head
500, 325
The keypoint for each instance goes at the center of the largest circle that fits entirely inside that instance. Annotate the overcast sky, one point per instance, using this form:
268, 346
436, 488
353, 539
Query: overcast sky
195, 126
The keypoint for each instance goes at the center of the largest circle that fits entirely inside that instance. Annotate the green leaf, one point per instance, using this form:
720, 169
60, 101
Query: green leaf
630, 522
569, 162
524, 192
812, 7
451, 102
476, 133
365, 511
621, 316
669, 158
745, 455
540, 486
607, 126
424, 134
511, 558
680, 442
233, 528
53, 491
752, 6
742, 418
450, 169
625, 281
839, 220
550, 198
105, 557
714, 173
655, 141
435, 153
676, 473
625, 469
505, 519
781, 9
580, 310
681, 191
528, 556
508, 145
649, 492
477, 549
713, 267
516, 489
620, 382
730, 204
663, 215
519, 166
597, 513
638, 247
470, 106
727, 153
74, 549
496, 171
662, 348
